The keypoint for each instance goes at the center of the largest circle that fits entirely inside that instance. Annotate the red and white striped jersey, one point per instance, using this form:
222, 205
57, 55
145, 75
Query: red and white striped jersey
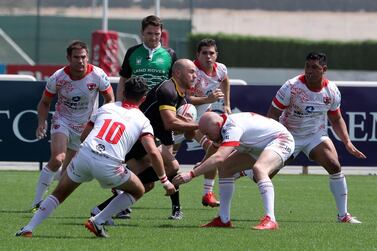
77, 99
249, 129
305, 111
117, 126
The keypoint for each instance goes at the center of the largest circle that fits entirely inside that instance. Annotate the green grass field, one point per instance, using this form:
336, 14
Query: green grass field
304, 209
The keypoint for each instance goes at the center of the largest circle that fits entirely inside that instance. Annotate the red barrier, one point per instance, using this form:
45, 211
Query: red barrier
40, 72
105, 51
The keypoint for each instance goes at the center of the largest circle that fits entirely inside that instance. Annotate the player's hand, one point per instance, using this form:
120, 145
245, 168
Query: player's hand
354, 151
215, 95
227, 109
169, 187
41, 131
183, 178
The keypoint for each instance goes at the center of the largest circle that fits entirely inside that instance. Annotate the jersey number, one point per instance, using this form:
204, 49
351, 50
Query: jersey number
115, 132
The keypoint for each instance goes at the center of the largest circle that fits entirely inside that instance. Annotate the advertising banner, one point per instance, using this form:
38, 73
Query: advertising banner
18, 121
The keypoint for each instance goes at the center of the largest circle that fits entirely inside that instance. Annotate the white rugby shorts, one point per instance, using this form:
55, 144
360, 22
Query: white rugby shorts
307, 143
58, 126
283, 145
88, 165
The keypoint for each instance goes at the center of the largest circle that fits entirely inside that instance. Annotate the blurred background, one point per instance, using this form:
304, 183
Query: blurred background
262, 42
36, 32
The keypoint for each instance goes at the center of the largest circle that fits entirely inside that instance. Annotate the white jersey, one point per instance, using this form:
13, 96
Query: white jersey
117, 126
249, 130
77, 99
305, 111
205, 84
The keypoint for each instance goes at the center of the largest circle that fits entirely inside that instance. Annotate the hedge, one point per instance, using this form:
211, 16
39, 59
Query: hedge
268, 52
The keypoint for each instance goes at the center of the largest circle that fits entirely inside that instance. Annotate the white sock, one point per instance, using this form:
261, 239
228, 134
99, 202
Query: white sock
45, 179
338, 187
226, 190
46, 208
208, 185
119, 203
266, 189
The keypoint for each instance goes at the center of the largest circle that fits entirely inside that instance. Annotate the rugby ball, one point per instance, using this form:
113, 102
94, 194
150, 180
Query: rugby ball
187, 110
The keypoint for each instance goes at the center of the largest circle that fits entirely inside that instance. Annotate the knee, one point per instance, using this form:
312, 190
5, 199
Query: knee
139, 192
56, 161
333, 167
148, 187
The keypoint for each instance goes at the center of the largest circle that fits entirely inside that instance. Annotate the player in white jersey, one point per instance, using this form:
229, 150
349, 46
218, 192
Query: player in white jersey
303, 104
109, 136
211, 86
76, 86
247, 140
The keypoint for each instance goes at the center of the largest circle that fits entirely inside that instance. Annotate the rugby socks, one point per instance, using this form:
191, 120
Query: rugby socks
45, 179
176, 205
119, 203
208, 185
338, 187
106, 202
45, 209
266, 190
226, 190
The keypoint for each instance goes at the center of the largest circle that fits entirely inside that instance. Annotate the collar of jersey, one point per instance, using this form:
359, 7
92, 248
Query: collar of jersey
324, 83
151, 51
128, 105
89, 69
197, 64
182, 94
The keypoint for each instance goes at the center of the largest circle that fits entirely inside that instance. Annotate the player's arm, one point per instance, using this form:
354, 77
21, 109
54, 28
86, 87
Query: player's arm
108, 95
157, 162
208, 165
225, 87
43, 109
88, 128
173, 123
120, 88
212, 97
340, 128
274, 113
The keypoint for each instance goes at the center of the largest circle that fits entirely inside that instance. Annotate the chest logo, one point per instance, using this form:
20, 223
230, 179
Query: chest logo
326, 100
91, 86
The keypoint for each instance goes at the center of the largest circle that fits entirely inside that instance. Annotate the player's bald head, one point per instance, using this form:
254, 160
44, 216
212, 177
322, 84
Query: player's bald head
210, 124
182, 64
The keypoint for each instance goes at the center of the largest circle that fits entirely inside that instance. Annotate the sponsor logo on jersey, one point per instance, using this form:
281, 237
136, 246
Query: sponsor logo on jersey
100, 147
91, 86
326, 100
159, 61
309, 109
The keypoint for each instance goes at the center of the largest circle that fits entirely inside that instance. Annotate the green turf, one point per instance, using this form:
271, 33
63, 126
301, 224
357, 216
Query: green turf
304, 208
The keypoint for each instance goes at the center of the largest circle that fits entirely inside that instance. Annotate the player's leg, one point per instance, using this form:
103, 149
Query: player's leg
58, 153
235, 163
209, 198
267, 162
325, 155
64, 188
132, 189
171, 168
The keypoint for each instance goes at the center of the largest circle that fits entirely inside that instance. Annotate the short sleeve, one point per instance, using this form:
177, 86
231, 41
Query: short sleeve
283, 97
